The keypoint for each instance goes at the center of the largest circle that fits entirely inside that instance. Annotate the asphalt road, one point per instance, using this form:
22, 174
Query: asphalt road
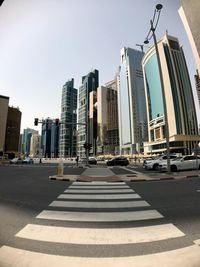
26, 192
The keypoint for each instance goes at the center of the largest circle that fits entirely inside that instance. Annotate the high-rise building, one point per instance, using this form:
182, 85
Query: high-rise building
26, 140
67, 142
4, 100
189, 13
55, 128
180, 106
34, 145
131, 103
90, 82
107, 119
13, 132
197, 84
46, 138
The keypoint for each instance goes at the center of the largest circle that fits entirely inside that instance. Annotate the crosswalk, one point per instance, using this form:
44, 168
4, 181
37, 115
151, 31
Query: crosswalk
96, 215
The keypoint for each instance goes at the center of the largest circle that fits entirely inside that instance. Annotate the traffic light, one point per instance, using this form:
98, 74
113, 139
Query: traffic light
85, 145
36, 122
57, 122
89, 147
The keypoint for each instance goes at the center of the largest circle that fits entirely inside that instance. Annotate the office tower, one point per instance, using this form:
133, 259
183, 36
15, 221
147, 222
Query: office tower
55, 129
131, 103
189, 13
26, 140
34, 145
90, 82
4, 100
46, 138
12, 132
67, 143
180, 106
197, 83
107, 119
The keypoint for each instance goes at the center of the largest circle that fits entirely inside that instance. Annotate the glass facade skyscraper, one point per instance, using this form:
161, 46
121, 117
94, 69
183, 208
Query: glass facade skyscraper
131, 102
90, 82
67, 142
179, 98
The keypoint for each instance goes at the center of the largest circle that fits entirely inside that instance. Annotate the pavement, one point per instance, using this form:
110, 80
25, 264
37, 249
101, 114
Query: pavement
106, 174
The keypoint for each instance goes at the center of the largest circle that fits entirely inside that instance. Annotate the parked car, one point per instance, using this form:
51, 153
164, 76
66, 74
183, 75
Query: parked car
154, 163
189, 162
121, 161
15, 161
28, 161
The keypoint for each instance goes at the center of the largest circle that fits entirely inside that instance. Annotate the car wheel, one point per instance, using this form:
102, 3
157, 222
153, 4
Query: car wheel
155, 167
173, 168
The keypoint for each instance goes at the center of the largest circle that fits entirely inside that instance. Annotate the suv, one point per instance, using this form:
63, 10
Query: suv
188, 162
154, 163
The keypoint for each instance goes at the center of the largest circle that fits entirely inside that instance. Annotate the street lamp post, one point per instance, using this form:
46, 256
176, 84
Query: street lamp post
152, 29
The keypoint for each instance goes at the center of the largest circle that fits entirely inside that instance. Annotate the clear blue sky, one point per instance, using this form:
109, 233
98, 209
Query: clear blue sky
43, 43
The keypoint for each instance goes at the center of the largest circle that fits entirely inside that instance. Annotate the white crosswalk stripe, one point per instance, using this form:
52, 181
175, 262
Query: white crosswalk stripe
100, 236
101, 196
99, 205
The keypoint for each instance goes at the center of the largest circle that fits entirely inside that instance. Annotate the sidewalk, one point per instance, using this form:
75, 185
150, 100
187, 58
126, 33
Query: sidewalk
106, 174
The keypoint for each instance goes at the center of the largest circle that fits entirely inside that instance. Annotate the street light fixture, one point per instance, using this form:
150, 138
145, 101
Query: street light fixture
154, 23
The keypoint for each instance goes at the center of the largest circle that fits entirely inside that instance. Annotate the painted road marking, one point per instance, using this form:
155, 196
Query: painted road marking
184, 257
97, 204
99, 216
106, 236
99, 187
93, 196
99, 190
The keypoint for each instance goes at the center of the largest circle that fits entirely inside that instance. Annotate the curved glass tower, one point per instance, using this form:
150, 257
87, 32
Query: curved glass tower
181, 111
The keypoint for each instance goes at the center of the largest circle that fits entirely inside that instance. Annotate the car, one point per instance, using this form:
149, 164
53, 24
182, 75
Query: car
154, 163
15, 161
28, 161
91, 160
188, 162
121, 161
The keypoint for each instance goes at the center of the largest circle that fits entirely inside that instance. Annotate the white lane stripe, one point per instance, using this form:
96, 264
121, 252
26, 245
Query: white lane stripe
106, 236
99, 216
99, 190
184, 257
93, 196
97, 204
98, 183
99, 187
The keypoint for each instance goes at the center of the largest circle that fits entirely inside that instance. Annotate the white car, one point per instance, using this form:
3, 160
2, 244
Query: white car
154, 163
189, 162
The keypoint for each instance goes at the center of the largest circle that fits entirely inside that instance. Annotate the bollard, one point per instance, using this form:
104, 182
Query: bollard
60, 168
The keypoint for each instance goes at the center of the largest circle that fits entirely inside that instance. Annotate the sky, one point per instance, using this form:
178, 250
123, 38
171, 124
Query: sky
44, 43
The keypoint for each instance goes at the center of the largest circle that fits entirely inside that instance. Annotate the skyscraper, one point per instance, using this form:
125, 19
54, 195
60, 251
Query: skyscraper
67, 142
179, 99
90, 82
107, 119
4, 100
189, 13
26, 140
131, 102
13, 132
46, 137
